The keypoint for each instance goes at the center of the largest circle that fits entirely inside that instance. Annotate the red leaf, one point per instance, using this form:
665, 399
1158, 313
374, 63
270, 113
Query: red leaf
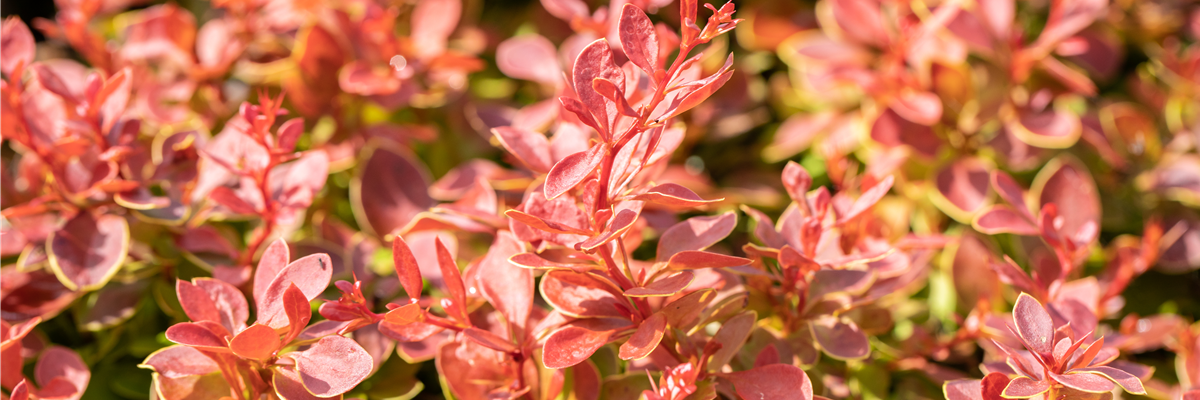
580, 111
1033, 324
964, 184
258, 342
1023, 387
869, 198
646, 338
179, 361
731, 336
311, 274
453, 280
1050, 129
1128, 381
1003, 219
840, 340
489, 340
228, 198
507, 287
396, 190
530, 147
596, 61
668, 286
614, 94
87, 251
405, 314
775, 381
332, 366
1068, 184
196, 335
638, 38
274, 259
797, 182
683, 312
673, 195
16, 42
696, 233
298, 311
581, 294
1010, 191
530, 57
572, 169
616, 228
891, 130
573, 344
414, 332
695, 259
407, 269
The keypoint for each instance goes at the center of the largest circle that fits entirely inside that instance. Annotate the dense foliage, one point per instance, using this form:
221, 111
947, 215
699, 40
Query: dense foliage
562, 199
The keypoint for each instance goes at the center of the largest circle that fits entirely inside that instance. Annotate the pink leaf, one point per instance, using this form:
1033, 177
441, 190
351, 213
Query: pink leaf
1033, 324
840, 340
531, 148
1128, 381
596, 61
16, 42
179, 361
311, 274
489, 340
731, 336
694, 259
1050, 129
396, 189
543, 225
59, 362
1023, 387
582, 295
998, 17
638, 38
289, 386
273, 260
1003, 219
576, 342
775, 381
1091, 383
332, 366
673, 195
862, 21
665, 286
645, 339
701, 91
571, 170
616, 228
924, 108
868, 199
530, 57
87, 251
508, 287
696, 233
196, 335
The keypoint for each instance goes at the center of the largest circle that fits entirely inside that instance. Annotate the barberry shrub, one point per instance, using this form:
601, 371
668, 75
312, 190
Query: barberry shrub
563, 199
